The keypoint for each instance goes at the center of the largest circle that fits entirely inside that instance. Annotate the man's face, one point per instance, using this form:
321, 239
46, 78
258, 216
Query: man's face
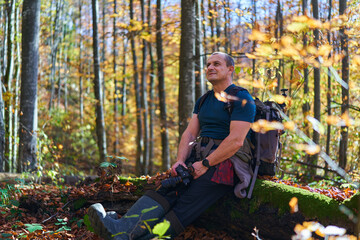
216, 69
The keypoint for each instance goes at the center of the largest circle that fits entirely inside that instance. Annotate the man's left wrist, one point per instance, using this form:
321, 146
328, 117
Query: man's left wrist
206, 163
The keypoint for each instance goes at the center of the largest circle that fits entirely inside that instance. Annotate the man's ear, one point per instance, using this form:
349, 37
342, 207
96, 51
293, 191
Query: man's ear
231, 68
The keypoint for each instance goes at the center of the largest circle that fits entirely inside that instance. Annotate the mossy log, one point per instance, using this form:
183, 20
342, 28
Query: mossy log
268, 210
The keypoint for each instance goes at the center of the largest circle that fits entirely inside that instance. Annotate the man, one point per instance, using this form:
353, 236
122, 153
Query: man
213, 136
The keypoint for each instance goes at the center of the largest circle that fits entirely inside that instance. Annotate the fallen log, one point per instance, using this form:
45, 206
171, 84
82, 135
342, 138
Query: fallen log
268, 210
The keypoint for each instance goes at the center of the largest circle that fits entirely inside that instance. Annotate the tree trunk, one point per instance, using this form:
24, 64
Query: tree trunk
139, 138
29, 77
199, 62
151, 96
186, 81
117, 86
317, 100
306, 105
8, 84
218, 26
3, 161
99, 112
161, 89
103, 52
212, 34
123, 90
345, 91
81, 90
328, 97
17, 92
270, 212
54, 49
144, 102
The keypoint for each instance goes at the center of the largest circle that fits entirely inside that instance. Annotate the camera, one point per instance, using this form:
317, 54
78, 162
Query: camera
183, 175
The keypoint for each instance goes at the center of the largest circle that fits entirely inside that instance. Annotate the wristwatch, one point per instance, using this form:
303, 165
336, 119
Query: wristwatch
205, 162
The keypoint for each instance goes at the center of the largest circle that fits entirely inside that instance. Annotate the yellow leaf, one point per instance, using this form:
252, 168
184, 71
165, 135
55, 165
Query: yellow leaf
289, 125
264, 50
258, 84
356, 60
294, 205
302, 18
264, 126
296, 27
287, 40
251, 56
311, 50
314, 23
332, 120
324, 50
309, 149
256, 35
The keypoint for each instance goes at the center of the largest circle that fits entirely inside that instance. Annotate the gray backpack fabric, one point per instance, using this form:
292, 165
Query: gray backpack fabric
266, 147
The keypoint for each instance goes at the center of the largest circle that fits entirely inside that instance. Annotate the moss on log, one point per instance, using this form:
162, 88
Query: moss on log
268, 210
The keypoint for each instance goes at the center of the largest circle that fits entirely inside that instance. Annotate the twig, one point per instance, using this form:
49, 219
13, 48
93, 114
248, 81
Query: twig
51, 217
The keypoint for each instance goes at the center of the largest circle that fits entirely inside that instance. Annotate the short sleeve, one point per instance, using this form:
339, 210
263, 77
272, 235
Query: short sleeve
196, 108
244, 109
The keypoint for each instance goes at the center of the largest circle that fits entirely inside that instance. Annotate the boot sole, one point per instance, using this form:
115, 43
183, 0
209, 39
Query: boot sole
98, 225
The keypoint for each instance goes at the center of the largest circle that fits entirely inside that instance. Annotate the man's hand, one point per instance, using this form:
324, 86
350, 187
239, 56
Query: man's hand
199, 169
173, 171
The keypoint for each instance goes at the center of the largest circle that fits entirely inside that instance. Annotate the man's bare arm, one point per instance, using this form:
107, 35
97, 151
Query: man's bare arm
228, 147
189, 135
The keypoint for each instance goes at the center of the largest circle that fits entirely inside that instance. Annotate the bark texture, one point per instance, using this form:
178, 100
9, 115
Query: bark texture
29, 77
187, 51
99, 110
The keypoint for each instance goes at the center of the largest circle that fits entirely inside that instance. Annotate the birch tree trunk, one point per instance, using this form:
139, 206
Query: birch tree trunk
17, 91
165, 153
29, 77
8, 84
99, 112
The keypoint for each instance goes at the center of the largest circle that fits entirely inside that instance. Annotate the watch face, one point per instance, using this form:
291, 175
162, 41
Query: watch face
205, 162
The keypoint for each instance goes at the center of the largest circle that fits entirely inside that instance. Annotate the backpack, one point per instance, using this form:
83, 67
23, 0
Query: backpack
265, 147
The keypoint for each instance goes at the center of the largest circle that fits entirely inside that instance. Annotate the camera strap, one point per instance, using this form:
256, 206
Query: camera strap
203, 152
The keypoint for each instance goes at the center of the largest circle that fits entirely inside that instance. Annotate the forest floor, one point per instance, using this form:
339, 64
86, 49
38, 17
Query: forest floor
55, 211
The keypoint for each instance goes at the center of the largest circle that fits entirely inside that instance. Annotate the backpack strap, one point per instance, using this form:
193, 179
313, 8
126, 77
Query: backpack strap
229, 106
202, 100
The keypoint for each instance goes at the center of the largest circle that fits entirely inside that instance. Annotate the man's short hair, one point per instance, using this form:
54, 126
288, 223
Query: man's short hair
228, 59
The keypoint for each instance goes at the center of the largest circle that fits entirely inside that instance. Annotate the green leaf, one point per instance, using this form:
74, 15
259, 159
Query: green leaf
161, 228
237, 70
107, 164
114, 235
33, 227
6, 235
151, 220
15, 203
148, 209
80, 223
132, 216
87, 223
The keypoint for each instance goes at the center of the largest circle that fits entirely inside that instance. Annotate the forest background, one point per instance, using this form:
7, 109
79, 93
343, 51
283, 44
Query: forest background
116, 81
